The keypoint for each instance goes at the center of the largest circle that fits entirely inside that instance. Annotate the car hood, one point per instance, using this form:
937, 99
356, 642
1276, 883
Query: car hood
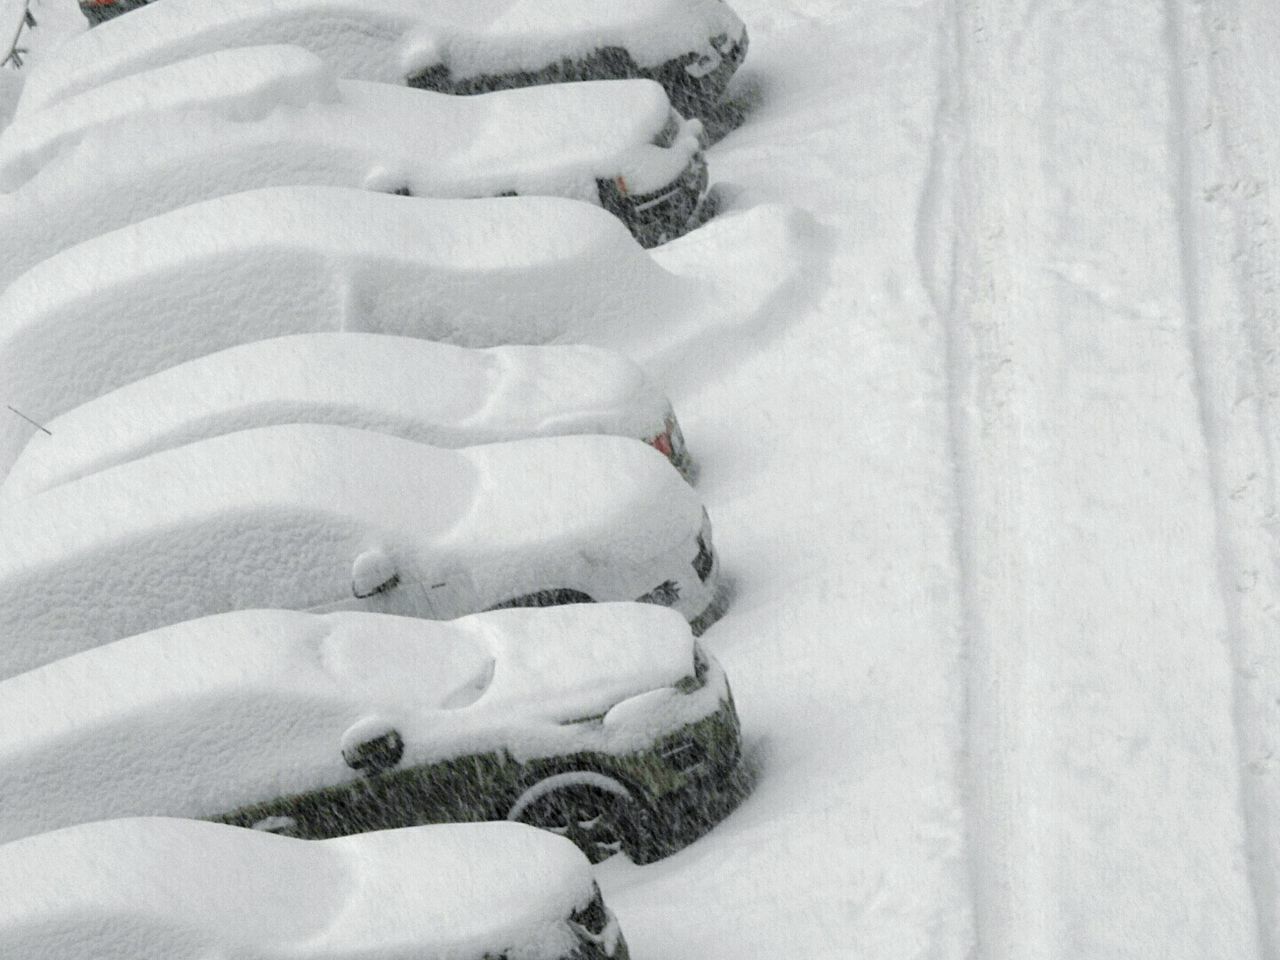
570, 662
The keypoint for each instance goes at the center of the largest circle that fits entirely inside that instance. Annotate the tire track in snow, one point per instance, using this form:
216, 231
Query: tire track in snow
1230, 290
958, 250
1104, 815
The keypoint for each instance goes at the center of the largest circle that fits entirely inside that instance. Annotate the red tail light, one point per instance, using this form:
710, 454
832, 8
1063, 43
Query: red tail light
662, 443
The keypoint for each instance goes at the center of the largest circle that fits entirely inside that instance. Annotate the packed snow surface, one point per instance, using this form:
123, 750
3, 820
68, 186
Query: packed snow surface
296, 259
556, 140
278, 517
386, 40
429, 392
215, 714
997, 491
160, 889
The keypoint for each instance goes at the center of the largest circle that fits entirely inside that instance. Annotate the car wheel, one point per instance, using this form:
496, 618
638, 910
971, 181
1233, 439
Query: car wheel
594, 819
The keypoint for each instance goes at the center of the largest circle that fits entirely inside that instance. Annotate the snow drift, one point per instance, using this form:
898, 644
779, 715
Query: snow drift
429, 392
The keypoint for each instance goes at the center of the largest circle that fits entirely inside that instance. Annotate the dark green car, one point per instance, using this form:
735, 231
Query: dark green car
691, 47
605, 723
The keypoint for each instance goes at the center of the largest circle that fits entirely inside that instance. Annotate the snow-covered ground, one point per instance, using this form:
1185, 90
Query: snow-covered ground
990, 446
996, 484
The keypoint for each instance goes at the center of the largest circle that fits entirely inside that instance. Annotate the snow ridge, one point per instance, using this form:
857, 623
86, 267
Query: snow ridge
960, 275
1222, 192
1101, 719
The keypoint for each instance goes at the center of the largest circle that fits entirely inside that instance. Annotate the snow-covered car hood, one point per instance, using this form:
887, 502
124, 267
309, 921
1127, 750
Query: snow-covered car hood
574, 661
417, 389
598, 485
287, 260
383, 40
156, 888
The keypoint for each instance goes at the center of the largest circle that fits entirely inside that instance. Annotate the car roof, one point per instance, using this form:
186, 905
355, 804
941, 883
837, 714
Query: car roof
290, 260
417, 389
449, 891
385, 40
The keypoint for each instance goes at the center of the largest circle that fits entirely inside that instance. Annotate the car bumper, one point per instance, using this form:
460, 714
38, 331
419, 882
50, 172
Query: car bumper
609, 944
704, 794
96, 13
661, 215
694, 84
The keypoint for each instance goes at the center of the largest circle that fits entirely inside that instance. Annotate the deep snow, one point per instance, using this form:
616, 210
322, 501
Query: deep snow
998, 493
990, 440
155, 889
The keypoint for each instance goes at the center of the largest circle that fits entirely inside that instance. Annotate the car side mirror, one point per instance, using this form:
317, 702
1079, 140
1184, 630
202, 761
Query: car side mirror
373, 572
372, 746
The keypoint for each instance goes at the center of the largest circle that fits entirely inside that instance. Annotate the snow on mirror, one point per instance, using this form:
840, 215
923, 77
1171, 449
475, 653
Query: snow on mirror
373, 572
372, 745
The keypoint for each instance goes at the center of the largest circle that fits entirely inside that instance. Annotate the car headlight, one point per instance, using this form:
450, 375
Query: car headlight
593, 918
666, 137
701, 670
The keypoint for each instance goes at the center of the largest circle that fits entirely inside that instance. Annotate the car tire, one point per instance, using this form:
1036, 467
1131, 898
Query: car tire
598, 820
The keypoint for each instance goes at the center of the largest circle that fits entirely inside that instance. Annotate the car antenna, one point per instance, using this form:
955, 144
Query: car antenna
29, 420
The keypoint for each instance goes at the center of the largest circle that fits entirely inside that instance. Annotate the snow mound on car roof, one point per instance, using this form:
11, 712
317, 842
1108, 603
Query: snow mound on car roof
384, 40
155, 889
556, 140
242, 84
429, 392
289, 260
211, 715
274, 517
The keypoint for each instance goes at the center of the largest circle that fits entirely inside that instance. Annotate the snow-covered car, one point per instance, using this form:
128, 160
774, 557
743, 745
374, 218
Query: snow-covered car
287, 260
429, 392
311, 517
691, 47
605, 723
154, 888
117, 158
